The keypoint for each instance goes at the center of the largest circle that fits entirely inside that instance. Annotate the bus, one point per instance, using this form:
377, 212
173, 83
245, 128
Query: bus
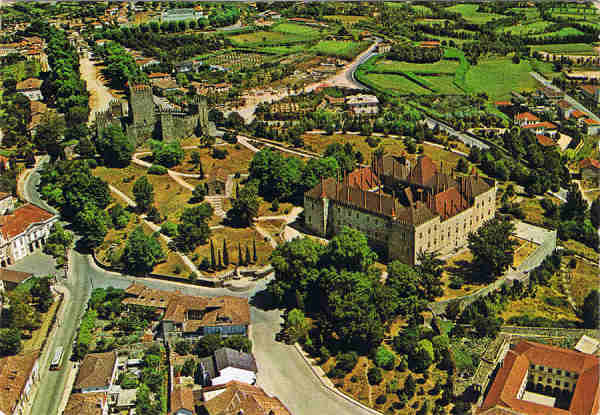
57, 360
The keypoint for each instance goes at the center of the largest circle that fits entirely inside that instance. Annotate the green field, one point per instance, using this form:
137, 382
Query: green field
499, 76
421, 10
339, 48
396, 83
565, 31
443, 66
532, 28
469, 13
296, 29
530, 12
262, 37
567, 48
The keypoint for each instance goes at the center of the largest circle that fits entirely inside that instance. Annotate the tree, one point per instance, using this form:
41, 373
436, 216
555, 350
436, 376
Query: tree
10, 341
114, 147
167, 154
143, 192
590, 310
193, 229
208, 345
142, 252
240, 256
182, 347
238, 342
595, 213
42, 294
430, 270
198, 193
248, 259
350, 249
492, 248
254, 256
245, 207
462, 166
225, 253
213, 261
385, 358
423, 356
119, 216
58, 242
50, 134
92, 223
296, 326
374, 376
576, 206
85, 147
410, 386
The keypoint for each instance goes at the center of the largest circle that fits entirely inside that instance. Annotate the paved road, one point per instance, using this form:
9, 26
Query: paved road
567, 98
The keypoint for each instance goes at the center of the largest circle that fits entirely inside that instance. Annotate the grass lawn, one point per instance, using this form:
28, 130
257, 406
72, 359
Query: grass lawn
522, 251
169, 197
533, 28
263, 37
39, 335
264, 209
441, 66
565, 31
173, 265
566, 48
238, 160
396, 83
498, 76
235, 236
421, 10
455, 265
296, 29
583, 279
533, 211
347, 49
469, 12
580, 249
274, 227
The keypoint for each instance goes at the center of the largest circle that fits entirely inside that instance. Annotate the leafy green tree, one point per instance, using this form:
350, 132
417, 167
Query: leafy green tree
92, 223
119, 216
42, 294
595, 213
318, 168
207, 345
49, 135
385, 358
10, 341
244, 208
85, 147
576, 206
143, 193
296, 325
142, 252
225, 253
424, 355
238, 342
198, 193
167, 154
350, 250
114, 147
374, 376
193, 229
492, 248
58, 242
590, 310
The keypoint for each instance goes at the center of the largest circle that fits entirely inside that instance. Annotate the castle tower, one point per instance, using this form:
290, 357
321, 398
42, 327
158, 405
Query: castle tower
141, 105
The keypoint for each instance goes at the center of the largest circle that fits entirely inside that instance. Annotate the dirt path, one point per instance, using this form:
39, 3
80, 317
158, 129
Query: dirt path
100, 95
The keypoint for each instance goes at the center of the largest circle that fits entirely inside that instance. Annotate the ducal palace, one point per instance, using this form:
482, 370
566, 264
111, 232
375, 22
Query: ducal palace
403, 207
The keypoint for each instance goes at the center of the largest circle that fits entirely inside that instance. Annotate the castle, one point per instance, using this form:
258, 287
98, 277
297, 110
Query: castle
149, 117
434, 210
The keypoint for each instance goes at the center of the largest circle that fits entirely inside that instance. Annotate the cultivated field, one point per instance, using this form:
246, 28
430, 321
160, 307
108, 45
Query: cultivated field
469, 12
339, 48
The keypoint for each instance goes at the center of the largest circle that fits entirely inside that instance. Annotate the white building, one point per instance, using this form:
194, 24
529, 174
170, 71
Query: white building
363, 104
22, 230
226, 365
96, 373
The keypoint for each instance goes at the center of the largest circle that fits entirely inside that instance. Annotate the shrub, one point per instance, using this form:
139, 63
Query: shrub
182, 347
353, 379
385, 358
219, 153
375, 376
177, 269
346, 361
381, 399
336, 373
158, 170
92, 164
169, 229
456, 282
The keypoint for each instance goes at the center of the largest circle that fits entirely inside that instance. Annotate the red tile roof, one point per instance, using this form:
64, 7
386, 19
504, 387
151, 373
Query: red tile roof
21, 219
16, 277
29, 84
158, 75
503, 103
182, 397
526, 116
449, 202
238, 398
545, 140
544, 124
96, 370
14, 373
588, 163
510, 377
578, 114
85, 404
589, 121
363, 178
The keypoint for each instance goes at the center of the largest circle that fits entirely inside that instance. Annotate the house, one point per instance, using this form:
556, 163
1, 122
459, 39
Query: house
534, 377
542, 128
384, 47
592, 127
96, 373
591, 92
122, 399
163, 86
565, 110
158, 75
22, 231
550, 94
87, 404
145, 62
236, 398
226, 365
9, 280
363, 104
590, 170
18, 374
182, 399
216, 182
192, 316
30, 87
187, 66
525, 118
430, 44
179, 14
37, 110
578, 115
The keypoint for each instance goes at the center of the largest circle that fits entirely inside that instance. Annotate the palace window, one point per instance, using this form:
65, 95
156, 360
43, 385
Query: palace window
558, 372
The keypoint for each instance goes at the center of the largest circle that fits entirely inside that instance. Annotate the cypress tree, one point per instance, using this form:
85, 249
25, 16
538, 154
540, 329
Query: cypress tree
248, 261
254, 256
240, 258
220, 259
213, 263
201, 171
225, 253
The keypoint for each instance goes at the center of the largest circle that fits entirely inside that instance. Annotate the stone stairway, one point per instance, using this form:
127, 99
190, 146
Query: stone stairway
217, 204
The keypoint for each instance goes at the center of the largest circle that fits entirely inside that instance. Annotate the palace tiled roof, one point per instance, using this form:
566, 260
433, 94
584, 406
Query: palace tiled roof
85, 404
363, 178
589, 163
96, 370
238, 397
14, 373
22, 218
510, 377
